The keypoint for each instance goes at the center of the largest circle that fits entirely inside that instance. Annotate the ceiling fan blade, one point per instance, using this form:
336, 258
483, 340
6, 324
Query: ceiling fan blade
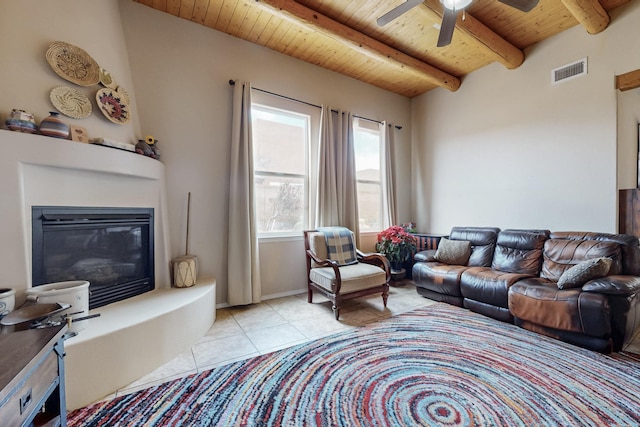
396, 12
447, 27
523, 5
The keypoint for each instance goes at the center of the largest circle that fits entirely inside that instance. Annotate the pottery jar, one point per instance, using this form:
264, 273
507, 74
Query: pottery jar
18, 114
21, 121
53, 126
7, 301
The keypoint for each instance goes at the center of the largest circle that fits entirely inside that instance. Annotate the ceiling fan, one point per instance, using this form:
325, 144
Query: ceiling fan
451, 8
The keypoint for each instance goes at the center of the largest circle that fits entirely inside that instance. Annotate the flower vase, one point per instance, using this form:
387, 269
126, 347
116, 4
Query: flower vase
53, 126
397, 272
396, 265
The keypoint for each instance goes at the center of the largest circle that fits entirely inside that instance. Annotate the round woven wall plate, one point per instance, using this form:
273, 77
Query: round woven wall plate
73, 64
71, 102
106, 79
113, 105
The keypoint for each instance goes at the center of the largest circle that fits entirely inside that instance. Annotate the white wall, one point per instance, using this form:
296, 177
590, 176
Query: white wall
27, 27
181, 72
510, 150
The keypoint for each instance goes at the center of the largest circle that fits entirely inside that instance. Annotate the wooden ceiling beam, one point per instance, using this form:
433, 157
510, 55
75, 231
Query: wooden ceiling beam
628, 81
359, 42
589, 13
494, 45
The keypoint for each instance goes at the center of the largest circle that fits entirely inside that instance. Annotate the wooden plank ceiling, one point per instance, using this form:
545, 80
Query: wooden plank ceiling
402, 56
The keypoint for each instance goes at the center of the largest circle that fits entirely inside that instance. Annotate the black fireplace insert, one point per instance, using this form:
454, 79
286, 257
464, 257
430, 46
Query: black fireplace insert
111, 248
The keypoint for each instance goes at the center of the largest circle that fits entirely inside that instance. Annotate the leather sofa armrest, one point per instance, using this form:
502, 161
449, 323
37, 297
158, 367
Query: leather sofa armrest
425, 256
613, 285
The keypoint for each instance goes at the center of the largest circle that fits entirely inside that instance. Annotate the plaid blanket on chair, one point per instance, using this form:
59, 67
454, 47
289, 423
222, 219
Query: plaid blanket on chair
340, 244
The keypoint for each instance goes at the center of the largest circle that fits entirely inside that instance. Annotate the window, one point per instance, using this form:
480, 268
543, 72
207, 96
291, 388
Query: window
368, 155
280, 153
285, 147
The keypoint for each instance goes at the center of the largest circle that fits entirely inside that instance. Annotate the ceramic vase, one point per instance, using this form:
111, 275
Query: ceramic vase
7, 301
21, 121
53, 126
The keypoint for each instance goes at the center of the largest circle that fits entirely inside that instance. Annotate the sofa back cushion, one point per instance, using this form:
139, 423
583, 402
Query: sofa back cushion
520, 251
560, 255
629, 247
483, 243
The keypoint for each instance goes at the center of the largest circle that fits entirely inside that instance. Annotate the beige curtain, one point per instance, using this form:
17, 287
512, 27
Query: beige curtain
243, 267
337, 201
388, 185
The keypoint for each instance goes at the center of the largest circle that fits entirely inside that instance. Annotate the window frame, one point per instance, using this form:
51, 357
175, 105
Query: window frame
273, 103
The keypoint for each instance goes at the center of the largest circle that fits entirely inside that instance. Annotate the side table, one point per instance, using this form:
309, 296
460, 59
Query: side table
32, 377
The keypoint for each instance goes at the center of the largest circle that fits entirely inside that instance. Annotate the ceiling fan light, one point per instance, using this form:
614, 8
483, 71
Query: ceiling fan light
455, 4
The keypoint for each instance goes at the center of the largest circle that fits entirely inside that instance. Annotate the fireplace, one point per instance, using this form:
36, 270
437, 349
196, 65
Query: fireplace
111, 248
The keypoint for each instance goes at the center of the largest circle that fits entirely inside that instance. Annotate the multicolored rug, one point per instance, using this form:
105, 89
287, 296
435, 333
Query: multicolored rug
439, 365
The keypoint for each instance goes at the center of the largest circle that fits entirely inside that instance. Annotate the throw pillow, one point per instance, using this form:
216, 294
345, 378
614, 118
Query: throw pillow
455, 252
581, 273
340, 245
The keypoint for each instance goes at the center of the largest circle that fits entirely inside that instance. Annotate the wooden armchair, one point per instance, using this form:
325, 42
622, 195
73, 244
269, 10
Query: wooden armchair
338, 278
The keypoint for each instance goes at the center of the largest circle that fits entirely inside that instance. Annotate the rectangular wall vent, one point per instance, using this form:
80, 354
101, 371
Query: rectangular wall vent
568, 72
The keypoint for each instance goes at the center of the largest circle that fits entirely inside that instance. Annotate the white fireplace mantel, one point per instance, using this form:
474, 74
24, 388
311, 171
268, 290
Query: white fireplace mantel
41, 171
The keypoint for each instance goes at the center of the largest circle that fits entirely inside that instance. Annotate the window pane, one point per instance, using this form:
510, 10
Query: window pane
280, 144
279, 203
370, 207
368, 156
367, 148
279, 141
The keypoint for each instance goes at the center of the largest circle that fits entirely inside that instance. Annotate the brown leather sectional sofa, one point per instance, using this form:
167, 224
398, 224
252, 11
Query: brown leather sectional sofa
512, 276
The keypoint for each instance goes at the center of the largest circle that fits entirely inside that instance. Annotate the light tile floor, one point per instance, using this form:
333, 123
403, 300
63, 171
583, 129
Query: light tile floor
243, 332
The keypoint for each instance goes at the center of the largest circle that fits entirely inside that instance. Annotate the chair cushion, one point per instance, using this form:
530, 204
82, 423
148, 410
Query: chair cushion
581, 273
453, 252
354, 277
340, 245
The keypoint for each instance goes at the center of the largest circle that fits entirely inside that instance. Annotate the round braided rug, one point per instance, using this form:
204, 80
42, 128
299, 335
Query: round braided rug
440, 366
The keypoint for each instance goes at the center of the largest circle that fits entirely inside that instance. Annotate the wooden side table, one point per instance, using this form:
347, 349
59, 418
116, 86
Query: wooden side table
32, 377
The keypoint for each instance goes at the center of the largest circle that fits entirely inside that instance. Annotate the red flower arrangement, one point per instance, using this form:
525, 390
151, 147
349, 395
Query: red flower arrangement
395, 243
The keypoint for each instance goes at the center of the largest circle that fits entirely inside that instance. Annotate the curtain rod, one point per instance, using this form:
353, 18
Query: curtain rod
233, 82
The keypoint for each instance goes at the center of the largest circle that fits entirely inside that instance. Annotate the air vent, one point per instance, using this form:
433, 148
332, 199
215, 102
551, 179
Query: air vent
568, 72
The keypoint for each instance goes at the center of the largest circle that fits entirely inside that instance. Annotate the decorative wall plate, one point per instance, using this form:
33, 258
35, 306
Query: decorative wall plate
73, 64
71, 102
107, 80
123, 93
113, 106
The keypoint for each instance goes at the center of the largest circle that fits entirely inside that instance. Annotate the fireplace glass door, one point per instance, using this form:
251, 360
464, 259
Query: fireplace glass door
111, 248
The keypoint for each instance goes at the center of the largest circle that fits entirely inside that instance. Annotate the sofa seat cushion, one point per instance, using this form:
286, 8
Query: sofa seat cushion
438, 277
539, 301
355, 277
488, 286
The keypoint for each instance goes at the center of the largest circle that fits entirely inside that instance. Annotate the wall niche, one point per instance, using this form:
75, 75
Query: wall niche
628, 126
